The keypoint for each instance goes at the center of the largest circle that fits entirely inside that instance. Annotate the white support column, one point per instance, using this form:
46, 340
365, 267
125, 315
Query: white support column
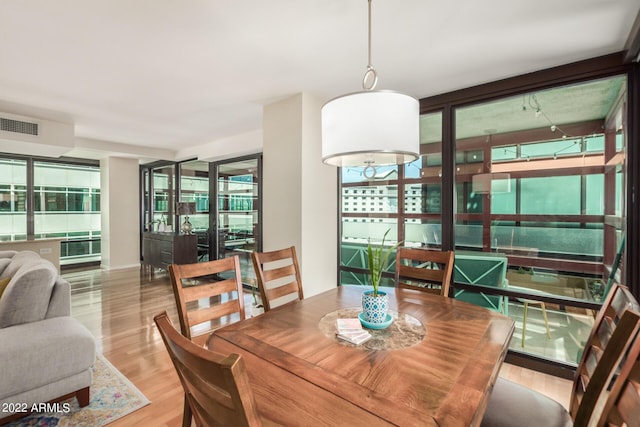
120, 207
300, 192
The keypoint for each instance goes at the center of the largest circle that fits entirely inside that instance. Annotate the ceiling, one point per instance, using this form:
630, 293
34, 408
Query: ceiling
170, 74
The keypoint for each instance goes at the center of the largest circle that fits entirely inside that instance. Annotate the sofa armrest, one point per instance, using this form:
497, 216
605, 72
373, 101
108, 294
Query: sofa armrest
43, 352
60, 302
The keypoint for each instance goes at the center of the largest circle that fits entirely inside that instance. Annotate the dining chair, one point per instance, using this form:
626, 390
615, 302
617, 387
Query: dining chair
278, 276
622, 407
216, 386
205, 297
424, 269
615, 328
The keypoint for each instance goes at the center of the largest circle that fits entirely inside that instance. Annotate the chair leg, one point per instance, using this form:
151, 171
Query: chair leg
186, 415
524, 321
546, 320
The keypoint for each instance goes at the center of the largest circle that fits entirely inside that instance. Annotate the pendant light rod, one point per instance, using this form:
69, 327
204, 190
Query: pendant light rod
370, 78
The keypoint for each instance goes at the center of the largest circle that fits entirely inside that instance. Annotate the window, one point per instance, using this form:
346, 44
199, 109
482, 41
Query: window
13, 199
538, 200
66, 204
536, 179
405, 200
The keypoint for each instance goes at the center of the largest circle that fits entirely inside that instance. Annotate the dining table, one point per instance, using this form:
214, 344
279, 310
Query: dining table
435, 365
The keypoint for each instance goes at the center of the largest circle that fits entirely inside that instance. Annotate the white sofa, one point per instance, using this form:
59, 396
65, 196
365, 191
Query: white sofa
45, 354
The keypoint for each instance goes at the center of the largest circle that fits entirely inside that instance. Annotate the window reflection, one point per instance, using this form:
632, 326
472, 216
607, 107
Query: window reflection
237, 212
67, 206
534, 187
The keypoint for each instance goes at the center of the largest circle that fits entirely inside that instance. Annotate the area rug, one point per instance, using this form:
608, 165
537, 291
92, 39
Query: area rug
112, 397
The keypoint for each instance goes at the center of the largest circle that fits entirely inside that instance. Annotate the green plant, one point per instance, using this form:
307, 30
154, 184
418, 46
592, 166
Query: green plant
378, 258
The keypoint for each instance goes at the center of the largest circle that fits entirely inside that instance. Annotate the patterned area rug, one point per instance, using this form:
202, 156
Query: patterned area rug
112, 396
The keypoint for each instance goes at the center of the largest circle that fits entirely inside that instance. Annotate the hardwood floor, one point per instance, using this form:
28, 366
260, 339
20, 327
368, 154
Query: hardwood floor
118, 308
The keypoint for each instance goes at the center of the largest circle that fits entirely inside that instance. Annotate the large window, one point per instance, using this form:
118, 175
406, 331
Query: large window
406, 200
531, 181
532, 186
66, 205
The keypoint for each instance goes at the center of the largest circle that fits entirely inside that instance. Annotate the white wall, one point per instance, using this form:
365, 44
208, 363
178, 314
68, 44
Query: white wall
300, 192
120, 206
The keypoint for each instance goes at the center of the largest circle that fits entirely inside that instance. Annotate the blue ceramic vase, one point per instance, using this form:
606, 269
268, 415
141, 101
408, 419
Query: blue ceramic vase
375, 307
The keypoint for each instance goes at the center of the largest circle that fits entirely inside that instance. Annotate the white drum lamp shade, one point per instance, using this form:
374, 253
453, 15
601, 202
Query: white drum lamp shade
370, 128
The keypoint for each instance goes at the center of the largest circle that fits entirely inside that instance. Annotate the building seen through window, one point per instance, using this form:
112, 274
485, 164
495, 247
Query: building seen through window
66, 205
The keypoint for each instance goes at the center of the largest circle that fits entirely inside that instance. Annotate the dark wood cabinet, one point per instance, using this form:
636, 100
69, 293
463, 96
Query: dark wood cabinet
162, 249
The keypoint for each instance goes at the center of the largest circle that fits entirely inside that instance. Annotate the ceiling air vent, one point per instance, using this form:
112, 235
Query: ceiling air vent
17, 126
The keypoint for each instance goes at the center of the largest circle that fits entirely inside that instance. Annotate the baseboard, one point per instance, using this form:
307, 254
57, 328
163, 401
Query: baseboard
118, 267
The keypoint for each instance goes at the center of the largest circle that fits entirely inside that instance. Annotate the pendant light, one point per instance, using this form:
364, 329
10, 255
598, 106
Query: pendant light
370, 128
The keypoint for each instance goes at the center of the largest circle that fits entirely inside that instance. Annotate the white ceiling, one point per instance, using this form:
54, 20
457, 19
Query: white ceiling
173, 74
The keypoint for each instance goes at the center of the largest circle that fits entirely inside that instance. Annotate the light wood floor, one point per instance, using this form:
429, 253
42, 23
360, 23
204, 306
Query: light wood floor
118, 308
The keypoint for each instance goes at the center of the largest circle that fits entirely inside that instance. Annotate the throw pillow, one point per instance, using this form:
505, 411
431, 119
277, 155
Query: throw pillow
3, 285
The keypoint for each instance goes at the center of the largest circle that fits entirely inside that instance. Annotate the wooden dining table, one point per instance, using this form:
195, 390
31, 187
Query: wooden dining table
302, 375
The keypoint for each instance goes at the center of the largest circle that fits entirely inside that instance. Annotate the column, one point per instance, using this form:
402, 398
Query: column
120, 209
300, 192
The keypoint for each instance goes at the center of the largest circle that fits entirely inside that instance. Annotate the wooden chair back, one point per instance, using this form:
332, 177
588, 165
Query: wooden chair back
608, 342
424, 269
623, 403
217, 386
278, 275
208, 296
